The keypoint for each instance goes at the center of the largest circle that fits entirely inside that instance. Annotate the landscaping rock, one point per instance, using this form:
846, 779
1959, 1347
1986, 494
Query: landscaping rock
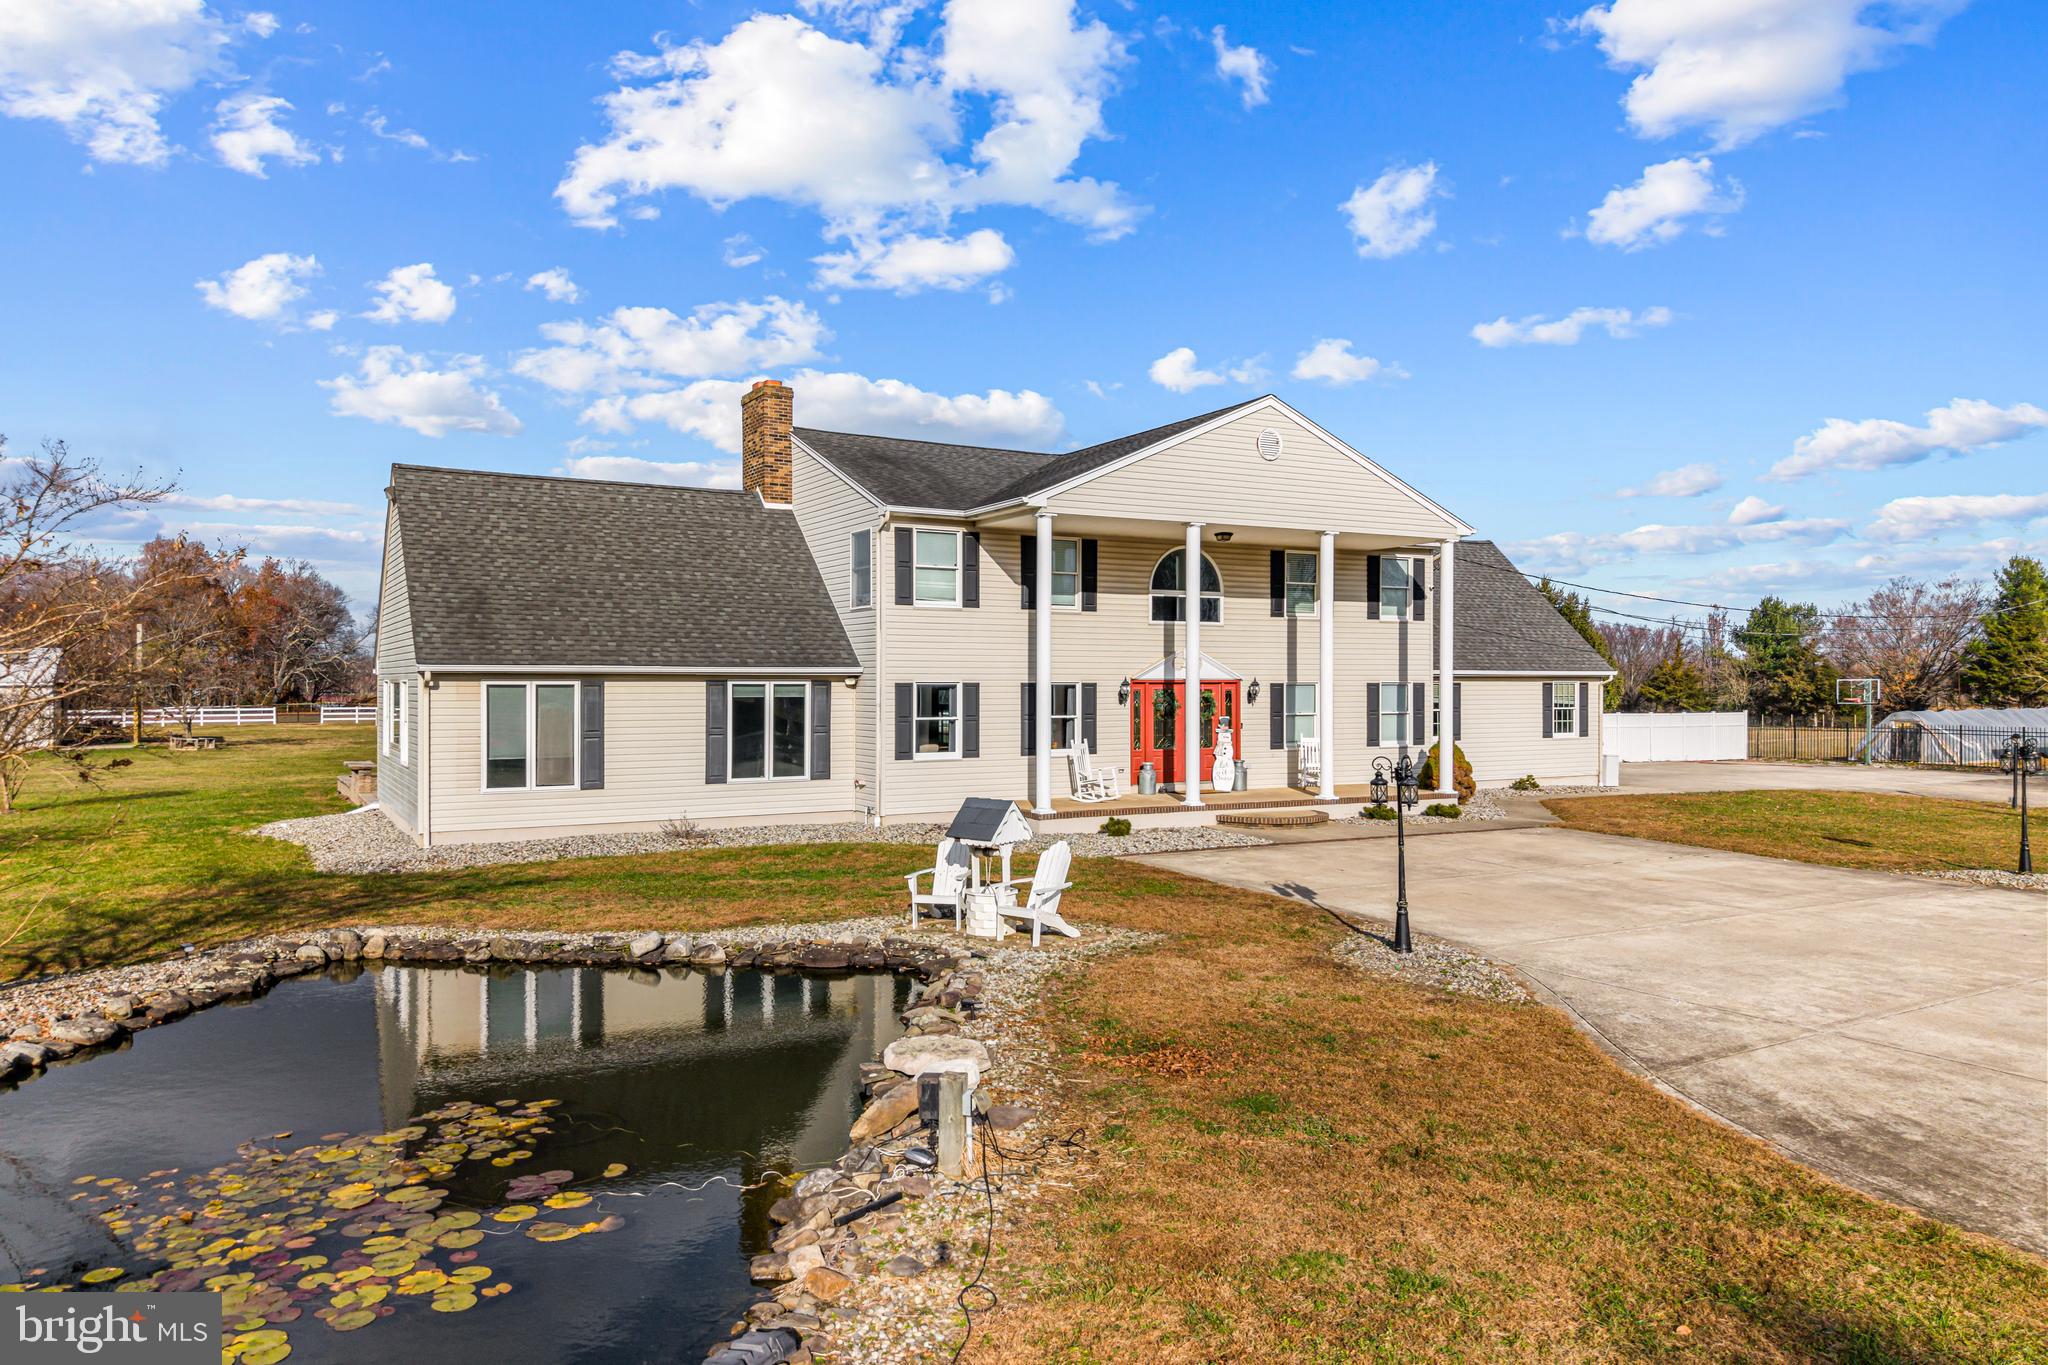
904, 1267
826, 1284
119, 1006
885, 1113
35, 1054
375, 946
1005, 1117
643, 946
85, 1032
312, 952
802, 1261
708, 955
772, 1268
349, 944
916, 1056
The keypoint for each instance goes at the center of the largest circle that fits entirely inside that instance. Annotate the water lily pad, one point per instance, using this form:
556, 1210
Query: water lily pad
459, 1218
615, 1170
455, 1241
393, 1263
263, 1347
515, 1213
470, 1274
552, 1232
103, 1274
351, 1320
568, 1199
422, 1282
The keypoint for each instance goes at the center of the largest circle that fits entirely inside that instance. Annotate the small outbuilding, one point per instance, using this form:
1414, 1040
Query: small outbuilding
1969, 737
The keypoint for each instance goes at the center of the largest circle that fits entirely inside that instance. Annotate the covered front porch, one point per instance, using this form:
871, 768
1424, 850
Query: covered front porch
1168, 809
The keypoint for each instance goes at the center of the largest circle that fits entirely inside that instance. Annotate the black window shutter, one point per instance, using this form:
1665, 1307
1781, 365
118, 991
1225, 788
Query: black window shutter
1028, 700
1279, 582
1372, 587
1027, 571
1457, 712
1276, 712
1547, 714
821, 731
970, 569
1088, 715
905, 694
1418, 714
1090, 550
1585, 718
970, 720
593, 735
1418, 577
903, 573
714, 731
1372, 716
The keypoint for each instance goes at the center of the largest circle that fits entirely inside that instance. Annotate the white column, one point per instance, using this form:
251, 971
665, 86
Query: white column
1446, 613
1326, 665
1041, 653
1191, 672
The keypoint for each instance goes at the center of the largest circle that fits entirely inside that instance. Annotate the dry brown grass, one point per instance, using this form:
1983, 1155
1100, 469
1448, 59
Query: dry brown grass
1376, 1171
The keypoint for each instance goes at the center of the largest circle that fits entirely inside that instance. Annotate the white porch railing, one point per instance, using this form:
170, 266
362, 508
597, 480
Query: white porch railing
198, 715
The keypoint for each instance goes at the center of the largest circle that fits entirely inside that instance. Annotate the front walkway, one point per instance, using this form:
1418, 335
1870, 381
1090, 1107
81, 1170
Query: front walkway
1886, 1030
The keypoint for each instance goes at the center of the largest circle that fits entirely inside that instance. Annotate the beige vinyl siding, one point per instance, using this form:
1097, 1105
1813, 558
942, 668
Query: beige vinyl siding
397, 783
828, 511
394, 605
654, 769
1219, 477
1119, 640
1502, 734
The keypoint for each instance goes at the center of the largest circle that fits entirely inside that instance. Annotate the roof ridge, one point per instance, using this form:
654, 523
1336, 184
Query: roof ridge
1193, 421
576, 479
921, 441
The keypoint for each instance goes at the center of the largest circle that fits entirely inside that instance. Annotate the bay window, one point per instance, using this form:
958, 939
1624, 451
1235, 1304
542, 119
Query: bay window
529, 735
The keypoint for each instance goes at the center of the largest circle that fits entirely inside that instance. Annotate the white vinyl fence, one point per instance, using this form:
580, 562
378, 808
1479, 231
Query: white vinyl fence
172, 715
347, 715
1686, 737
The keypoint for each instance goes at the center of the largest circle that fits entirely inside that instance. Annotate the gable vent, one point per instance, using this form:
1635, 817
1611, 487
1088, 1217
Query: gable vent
1269, 444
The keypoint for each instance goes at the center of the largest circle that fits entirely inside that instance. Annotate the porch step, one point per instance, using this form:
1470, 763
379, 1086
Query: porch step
1273, 819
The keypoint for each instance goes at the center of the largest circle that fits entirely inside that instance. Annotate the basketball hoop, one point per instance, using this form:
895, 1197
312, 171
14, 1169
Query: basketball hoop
1863, 692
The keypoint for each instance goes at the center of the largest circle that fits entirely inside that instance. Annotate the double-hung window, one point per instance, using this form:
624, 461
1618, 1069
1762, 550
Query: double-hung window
529, 735
1301, 713
1394, 713
1301, 583
935, 722
1066, 573
387, 700
861, 561
1066, 714
1564, 710
768, 724
935, 566
1396, 592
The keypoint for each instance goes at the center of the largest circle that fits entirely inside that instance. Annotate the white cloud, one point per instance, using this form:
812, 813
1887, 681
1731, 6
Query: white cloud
632, 469
102, 70
1536, 330
1655, 209
411, 293
323, 321
287, 541
710, 409
262, 23
1752, 510
556, 284
262, 290
393, 385
865, 134
1920, 518
742, 251
913, 261
1245, 65
1100, 389
1177, 370
1964, 425
229, 502
640, 348
1332, 362
246, 133
1572, 551
1740, 68
1392, 215
379, 125
1686, 481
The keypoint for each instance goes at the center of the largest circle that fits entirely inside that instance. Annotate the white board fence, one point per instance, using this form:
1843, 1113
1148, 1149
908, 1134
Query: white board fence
1683, 737
171, 715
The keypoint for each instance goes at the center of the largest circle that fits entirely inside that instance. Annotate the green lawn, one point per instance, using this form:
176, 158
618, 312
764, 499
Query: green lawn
1844, 829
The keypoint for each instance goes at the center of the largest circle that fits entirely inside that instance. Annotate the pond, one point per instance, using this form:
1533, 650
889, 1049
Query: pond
655, 1097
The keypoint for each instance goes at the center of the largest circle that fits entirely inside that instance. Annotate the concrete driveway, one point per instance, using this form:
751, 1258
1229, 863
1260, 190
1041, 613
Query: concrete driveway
1838, 777
1889, 1031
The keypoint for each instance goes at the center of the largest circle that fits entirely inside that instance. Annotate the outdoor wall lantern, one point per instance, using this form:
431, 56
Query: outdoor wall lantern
1251, 694
1407, 788
1123, 693
2021, 757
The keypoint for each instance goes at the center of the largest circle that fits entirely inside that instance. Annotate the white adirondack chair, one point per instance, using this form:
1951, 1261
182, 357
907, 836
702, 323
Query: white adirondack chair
1309, 762
1222, 777
949, 881
1090, 782
1042, 906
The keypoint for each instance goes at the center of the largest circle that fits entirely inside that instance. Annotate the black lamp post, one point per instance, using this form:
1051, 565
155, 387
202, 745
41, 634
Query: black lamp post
1407, 791
2022, 758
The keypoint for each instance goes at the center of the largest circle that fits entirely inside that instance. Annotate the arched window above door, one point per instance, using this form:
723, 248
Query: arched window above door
1169, 583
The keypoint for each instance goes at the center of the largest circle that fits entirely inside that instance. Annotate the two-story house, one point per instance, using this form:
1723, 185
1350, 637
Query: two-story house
875, 628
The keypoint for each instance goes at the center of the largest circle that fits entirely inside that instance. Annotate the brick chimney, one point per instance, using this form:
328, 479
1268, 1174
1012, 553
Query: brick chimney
766, 413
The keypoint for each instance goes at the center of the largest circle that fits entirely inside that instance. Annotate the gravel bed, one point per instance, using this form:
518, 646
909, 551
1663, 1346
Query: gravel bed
364, 841
1988, 876
1484, 805
1544, 793
1433, 963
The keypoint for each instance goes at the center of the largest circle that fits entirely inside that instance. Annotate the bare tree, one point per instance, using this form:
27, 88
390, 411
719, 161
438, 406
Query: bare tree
1638, 650
1912, 636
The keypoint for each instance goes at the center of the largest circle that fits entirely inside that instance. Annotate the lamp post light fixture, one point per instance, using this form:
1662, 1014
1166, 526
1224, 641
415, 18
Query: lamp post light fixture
2021, 757
1407, 791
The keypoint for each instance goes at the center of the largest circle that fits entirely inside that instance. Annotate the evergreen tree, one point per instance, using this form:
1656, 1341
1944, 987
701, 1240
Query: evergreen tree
1780, 644
1676, 685
1578, 612
2007, 665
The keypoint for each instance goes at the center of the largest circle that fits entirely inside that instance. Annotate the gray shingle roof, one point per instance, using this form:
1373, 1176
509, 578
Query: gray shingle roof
1505, 626
906, 473
537, 572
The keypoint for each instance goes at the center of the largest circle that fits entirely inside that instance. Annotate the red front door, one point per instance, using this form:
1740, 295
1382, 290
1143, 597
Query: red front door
1157, 728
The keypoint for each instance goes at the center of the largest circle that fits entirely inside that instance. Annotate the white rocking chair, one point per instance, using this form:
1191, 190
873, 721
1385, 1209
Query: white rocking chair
1223, 776
1042, 906
1308, 759
1091, 783
949, 882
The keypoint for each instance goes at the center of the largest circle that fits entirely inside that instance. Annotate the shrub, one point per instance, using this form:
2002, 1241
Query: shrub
1116, 826
1445, 809
682, 829
1461, 773
1527, 783
1378, 813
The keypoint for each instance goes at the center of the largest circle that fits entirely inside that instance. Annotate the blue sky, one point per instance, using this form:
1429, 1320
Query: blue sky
1710, 298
